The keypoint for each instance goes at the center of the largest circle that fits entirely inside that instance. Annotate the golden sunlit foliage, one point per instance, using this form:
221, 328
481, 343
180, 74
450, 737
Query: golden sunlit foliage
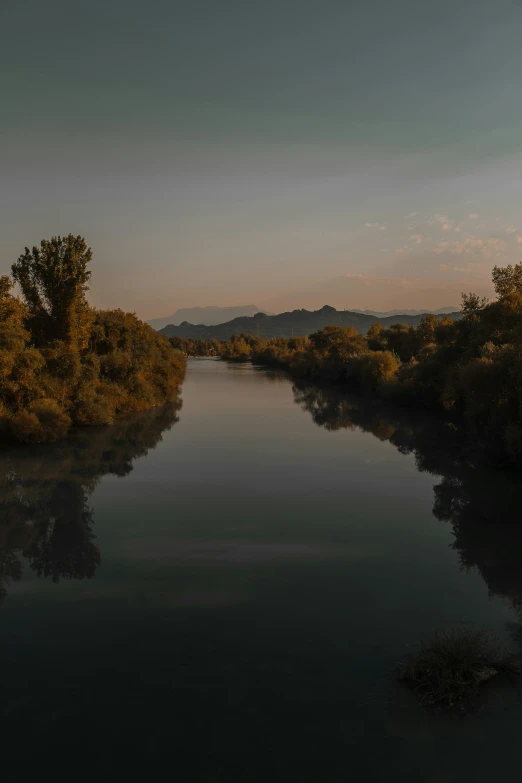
190, 347
64, 363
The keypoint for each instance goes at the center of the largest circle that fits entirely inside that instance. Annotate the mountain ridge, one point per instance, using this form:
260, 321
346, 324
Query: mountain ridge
295, 323
210, 315
386, 313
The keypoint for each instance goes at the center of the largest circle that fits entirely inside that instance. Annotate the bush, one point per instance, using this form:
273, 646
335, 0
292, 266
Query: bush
450, 666
376, 367
93, 412
25, 427
43, 422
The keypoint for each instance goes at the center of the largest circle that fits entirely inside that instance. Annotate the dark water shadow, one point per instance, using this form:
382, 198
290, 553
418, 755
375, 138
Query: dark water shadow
482, 505
44, 495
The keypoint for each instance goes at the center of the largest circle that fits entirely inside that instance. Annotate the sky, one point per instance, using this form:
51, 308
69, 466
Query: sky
284, 153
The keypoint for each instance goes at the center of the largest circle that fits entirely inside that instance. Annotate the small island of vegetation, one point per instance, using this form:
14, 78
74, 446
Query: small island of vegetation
64, 363
450, 666
470, 368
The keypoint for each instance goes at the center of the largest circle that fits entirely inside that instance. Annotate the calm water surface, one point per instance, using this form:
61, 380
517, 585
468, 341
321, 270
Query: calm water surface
219, 593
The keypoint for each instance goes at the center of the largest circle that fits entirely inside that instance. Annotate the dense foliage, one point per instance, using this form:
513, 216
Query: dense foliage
189, 347
470, 367
64, 363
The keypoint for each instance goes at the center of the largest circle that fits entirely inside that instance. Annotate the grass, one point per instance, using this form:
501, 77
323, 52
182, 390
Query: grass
450, 666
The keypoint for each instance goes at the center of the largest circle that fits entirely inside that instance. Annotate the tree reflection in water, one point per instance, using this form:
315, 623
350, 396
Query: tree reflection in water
44, 493
483, 505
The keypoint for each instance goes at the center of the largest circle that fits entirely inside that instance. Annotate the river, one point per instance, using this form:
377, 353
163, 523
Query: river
220, 592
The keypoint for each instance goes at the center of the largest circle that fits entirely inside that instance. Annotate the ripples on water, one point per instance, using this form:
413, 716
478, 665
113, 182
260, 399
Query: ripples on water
220, 592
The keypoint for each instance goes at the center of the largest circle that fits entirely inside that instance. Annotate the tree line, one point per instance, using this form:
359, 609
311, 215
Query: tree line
470, 368
197, 348
64, 363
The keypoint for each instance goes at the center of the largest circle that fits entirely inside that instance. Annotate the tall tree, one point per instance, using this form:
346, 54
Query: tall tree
53, 279
507, 280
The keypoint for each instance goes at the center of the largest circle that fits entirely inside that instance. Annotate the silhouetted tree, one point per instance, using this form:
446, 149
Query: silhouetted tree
53, 279
507, 280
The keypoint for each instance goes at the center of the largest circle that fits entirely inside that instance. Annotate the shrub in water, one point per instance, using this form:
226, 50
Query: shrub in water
449, 666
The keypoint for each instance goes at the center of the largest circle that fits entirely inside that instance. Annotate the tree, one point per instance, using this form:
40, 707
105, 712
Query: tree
53, 279
507, 280
472, 304
376, 367
377, 337
20, 364
338, 342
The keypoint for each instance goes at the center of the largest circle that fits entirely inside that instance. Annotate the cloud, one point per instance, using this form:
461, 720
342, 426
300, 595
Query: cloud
519, 239
472, 246
402, 249
473, 216
370, 280
442, 220
380, 226
417, 238
468, 268
411, 214
441, 248
510, 229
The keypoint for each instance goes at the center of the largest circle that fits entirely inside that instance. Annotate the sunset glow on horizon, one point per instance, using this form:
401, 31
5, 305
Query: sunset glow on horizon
288, 154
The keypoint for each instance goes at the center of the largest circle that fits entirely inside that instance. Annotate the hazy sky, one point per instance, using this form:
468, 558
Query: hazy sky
287, 153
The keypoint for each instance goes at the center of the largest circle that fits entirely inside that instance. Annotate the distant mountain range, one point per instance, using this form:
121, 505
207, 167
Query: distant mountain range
295, 323
386, 313
204, 315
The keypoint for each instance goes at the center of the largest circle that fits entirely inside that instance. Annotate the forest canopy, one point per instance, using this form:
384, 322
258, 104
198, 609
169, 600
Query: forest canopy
64, 363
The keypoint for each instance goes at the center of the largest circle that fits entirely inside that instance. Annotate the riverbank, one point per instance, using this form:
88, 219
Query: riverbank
468, 370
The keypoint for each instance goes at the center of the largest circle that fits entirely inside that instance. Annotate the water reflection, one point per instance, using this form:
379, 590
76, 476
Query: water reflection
483, 505
44, 492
